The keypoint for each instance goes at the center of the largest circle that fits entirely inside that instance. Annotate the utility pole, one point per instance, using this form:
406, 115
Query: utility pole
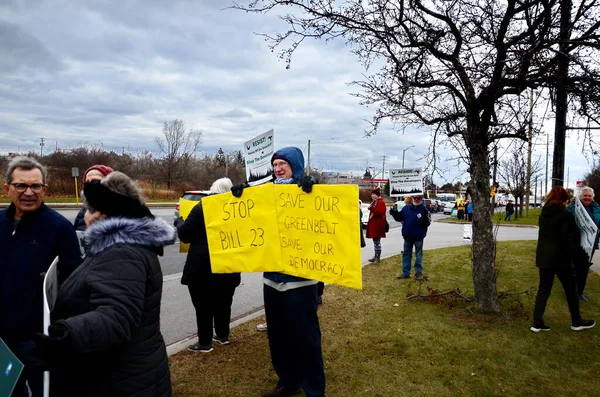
42, 146
308, 161
535, 193
561, 78
529, 149
383, 167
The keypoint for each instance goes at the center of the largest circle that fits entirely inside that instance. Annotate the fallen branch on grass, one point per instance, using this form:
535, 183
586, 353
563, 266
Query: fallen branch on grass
453, 292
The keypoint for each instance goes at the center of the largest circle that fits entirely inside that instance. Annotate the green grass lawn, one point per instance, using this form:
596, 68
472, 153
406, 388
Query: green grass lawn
531, 218
378, 343
47, 199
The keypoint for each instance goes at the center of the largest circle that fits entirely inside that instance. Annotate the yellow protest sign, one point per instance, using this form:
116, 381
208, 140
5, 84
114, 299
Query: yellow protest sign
319, 232
242, 231
281, 228
185, 207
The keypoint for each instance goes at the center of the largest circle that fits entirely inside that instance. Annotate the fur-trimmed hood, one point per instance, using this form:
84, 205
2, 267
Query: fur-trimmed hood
148, 232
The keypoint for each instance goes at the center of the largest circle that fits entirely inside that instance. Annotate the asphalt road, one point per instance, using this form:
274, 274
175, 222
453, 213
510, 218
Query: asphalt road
177, 313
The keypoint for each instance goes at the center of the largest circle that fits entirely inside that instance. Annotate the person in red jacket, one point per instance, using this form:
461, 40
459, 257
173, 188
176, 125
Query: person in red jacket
376, 227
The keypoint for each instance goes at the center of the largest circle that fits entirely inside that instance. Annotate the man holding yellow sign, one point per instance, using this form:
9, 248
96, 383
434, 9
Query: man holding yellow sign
290, 301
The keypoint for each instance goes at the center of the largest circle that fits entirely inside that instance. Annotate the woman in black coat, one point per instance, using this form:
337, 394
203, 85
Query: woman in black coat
211, 293
105, 337
558, 246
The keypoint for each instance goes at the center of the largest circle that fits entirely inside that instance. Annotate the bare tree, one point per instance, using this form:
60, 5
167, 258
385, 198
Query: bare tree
513, 172
178, 147
462, 66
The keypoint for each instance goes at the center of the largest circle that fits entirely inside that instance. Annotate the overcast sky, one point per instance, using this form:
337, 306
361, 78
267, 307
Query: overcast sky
111, 72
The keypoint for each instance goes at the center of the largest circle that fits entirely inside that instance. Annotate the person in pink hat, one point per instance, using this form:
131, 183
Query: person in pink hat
94, 173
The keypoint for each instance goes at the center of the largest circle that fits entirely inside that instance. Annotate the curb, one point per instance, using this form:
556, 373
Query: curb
495, 224
181, 345
176, 347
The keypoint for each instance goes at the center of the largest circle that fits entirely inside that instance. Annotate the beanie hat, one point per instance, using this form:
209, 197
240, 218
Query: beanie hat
116, 196
377, 191
103, 169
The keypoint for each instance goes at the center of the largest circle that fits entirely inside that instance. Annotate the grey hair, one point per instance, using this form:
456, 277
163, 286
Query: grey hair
587, 189
222, 185
121, 184
27, 164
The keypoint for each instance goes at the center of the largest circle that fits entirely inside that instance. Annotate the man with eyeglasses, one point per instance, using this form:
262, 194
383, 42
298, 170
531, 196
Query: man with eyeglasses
31, 236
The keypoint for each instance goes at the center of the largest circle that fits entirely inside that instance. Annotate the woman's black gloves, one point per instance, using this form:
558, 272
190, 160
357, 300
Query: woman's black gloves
54, 347
237, 190
306, 182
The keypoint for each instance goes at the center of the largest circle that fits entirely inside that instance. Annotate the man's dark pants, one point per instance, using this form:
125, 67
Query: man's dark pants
295, 338
34, 377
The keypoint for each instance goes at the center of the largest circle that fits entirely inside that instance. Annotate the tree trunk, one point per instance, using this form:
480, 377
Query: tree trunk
484, 246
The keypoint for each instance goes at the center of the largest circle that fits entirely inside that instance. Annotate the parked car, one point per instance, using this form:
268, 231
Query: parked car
431, 205
193, 195
448, 205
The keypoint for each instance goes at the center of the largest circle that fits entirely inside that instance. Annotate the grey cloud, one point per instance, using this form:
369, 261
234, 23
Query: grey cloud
22, 50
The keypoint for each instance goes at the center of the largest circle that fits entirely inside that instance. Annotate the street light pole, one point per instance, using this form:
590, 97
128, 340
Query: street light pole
404, 151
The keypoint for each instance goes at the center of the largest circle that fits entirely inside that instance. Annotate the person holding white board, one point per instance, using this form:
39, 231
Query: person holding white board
583, 262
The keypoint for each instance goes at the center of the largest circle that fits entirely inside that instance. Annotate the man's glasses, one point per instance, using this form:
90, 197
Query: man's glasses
282, 164
22, 187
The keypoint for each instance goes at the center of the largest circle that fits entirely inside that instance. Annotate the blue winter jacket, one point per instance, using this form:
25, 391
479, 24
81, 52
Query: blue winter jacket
295, 158
27, 251
416, 220
593, 211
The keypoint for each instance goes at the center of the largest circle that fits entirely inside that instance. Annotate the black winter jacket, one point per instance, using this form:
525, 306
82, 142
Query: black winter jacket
111, 308
558, 238
197, 264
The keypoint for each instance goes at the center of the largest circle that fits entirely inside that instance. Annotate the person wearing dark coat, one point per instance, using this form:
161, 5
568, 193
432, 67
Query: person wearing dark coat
32, 235
94, 173
291, 305
583, 262
415, 220
558, 245
211, 293
376, 224
105, 337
